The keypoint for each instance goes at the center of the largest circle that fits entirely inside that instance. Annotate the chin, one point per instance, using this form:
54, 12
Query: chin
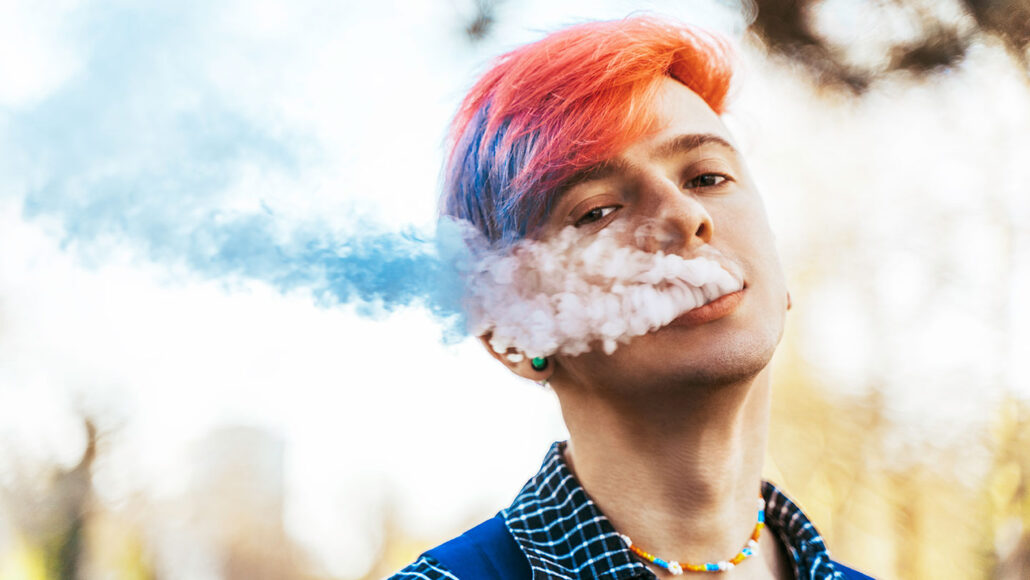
728, 351
719, 361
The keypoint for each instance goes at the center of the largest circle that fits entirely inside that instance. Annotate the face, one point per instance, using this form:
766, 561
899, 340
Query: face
687, 185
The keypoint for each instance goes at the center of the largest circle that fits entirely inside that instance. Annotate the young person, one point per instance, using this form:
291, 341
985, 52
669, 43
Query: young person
604, 130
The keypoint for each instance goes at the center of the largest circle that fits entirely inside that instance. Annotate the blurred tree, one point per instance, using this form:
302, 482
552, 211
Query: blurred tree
237, 502
483, 19
1008, 491
936, 35
53, 516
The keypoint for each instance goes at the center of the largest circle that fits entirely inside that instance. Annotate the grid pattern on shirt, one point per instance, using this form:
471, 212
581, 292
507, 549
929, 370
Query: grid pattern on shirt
566, 537
425, 568
806, 547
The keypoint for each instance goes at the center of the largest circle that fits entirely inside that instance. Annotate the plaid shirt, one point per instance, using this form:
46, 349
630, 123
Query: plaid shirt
565, 536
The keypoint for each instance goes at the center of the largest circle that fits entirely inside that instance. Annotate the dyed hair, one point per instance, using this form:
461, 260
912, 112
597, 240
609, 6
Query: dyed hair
549, 110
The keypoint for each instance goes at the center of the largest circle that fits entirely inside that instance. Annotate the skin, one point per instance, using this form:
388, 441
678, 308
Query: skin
668, 433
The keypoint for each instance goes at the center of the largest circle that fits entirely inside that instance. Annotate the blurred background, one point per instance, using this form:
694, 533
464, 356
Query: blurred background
182, 397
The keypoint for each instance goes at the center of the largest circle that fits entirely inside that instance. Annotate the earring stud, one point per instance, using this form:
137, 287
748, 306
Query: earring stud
538, 363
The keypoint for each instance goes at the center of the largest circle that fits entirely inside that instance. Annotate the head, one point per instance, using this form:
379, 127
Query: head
616, 126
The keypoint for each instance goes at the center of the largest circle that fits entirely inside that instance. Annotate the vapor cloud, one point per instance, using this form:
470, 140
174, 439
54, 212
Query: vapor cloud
145, 146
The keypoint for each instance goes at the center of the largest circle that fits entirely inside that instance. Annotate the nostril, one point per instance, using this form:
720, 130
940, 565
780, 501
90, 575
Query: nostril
702, 231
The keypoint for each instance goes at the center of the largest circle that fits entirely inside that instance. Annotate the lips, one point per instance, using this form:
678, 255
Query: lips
714, 310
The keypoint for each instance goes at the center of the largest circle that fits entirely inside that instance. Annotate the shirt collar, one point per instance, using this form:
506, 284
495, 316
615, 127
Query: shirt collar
806, 547
565, 536
562, 532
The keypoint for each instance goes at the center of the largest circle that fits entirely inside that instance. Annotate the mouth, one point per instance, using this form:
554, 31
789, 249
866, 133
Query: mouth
711, 311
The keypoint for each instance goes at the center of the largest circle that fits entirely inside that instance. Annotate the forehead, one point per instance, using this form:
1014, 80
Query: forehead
679, 112
683, 122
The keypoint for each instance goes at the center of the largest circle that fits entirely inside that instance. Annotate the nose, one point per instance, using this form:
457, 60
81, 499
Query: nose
678, 222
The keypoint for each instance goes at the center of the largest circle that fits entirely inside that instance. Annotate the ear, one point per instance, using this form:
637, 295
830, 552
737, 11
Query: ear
518, 362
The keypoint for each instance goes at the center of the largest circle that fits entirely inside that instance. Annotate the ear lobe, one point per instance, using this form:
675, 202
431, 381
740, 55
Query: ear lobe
519, 363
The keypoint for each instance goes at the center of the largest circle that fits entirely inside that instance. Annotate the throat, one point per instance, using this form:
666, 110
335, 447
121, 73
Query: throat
684, 484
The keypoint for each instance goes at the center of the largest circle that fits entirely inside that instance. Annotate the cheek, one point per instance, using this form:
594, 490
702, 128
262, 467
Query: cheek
746, 222
746, 230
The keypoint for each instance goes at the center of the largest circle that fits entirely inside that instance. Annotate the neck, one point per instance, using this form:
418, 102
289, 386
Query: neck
681, 475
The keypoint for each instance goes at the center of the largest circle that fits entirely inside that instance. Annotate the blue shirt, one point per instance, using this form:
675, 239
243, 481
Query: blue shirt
565, 536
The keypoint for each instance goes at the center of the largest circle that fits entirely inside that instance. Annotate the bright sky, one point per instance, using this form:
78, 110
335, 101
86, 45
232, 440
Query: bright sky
136, 140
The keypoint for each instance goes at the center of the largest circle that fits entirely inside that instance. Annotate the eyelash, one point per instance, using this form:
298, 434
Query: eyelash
586, 218
692, 184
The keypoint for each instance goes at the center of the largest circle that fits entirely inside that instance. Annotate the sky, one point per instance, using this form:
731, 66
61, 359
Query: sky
195, 196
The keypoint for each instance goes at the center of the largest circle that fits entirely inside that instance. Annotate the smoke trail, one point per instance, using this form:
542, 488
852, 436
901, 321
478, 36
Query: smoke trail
571, 293
378, 270
149, 146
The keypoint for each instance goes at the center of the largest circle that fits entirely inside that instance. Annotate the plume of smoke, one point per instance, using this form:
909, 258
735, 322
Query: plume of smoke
378, 271
150, 147
571, 293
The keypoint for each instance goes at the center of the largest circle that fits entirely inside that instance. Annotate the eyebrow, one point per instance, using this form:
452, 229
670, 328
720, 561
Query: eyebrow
674, 146
689, 142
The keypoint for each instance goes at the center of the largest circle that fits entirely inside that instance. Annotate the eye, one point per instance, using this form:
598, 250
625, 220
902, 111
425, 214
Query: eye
596, 214
706, 180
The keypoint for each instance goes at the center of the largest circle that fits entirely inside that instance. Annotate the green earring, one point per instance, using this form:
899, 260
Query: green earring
538, 363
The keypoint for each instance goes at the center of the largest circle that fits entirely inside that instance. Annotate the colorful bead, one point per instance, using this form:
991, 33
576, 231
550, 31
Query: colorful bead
676, 568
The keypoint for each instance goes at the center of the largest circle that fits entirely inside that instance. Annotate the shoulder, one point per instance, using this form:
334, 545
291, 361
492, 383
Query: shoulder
848, 573
425, 568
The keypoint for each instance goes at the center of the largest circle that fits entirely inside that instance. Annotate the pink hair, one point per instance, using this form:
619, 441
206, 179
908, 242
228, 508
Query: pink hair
551, 109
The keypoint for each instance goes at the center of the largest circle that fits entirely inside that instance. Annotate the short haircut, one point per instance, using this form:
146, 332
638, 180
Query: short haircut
549, 110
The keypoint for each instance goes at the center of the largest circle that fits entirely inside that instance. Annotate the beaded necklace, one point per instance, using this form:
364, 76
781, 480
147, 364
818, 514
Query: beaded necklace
675, 568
